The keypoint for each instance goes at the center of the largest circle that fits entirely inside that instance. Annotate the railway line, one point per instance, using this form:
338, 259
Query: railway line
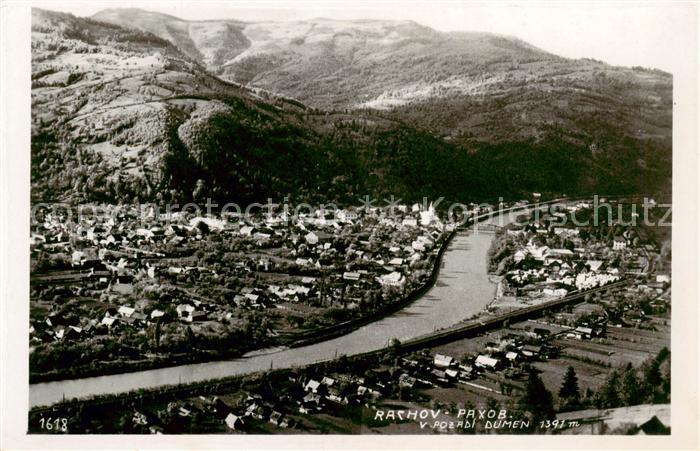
482, 325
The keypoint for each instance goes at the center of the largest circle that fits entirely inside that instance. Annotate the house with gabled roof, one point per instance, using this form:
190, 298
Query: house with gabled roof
443, 361
312, 386
486, 362
126, 312
234, 422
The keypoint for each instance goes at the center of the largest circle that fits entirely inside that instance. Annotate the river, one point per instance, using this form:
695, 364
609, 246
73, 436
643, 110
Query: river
462, 290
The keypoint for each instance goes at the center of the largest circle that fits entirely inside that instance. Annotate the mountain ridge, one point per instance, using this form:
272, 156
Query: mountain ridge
411, 71
120, 114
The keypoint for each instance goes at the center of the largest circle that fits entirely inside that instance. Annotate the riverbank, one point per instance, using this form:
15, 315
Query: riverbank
349, 326
461, 290
119, 367
205, 387
472, 328
307, 338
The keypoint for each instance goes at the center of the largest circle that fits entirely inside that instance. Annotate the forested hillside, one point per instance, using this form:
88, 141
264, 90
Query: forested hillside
120, 114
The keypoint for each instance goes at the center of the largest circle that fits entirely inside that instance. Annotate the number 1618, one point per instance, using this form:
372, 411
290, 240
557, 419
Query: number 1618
51, 424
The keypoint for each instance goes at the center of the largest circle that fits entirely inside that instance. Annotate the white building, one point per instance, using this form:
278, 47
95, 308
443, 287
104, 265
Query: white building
486, 362
410, 222
311, 238
619, 243
443, 361
233, 421
393, 279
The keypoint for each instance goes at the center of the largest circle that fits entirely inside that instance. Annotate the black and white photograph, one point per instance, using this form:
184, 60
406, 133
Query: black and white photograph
400, 219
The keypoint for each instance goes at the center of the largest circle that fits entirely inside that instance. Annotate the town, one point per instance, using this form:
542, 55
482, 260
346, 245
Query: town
582, 368
345, 220
116, 291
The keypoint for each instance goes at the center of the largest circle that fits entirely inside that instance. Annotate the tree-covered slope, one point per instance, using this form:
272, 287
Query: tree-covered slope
120, 113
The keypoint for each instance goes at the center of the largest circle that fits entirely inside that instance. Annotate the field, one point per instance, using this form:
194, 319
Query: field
593, 360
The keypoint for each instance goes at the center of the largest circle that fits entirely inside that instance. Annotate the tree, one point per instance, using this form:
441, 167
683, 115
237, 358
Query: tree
656, 385
190, 335
395, 346
588, 397
652, 379
493, 404
203, 228
569, 391
537, 399
664, 354
405, 393
125, 423
199, 190
609, 395
568, 244
631, 388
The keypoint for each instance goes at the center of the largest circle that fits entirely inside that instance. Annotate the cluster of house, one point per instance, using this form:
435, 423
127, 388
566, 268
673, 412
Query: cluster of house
215, 408
630, 305
314, 396
423, 371
540, 270
504, 354
633, 305
349, 252
343, 389
557, 277
554, 272
441, 370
